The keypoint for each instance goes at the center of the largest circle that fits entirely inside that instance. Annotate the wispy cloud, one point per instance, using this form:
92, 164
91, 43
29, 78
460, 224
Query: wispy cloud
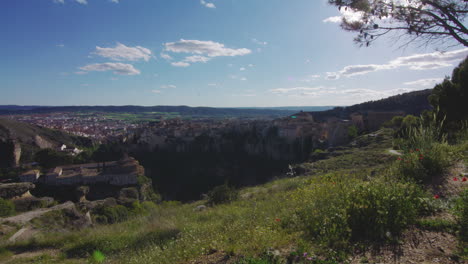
166, 56
156, 91
310, 78
196, 58
425, 61
206, 48
180, 64
258, 42
83, 2
207, 4
116, 68
124, 53
426, 83
339, 94
168, 86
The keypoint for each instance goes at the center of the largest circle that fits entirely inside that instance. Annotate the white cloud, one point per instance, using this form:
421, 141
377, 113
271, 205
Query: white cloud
258, 42
324, 93
123, 53
180, 64
156, 91
196, 58
332, 76
206, 4
333, 19
298, 89
212, 84
166, 56
426, 83
83, 2
206, 48
168, 86
243, 79
432, 60
116, 68
60, 45
242, 69
425, 61
115, 1
353, 70
348, 14
251, 65
310, 78
59, 1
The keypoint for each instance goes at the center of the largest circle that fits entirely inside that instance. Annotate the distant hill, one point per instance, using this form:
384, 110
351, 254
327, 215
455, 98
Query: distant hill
413, 103
182, 110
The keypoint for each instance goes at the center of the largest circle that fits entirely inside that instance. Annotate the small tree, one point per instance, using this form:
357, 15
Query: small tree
426, 20
222, 194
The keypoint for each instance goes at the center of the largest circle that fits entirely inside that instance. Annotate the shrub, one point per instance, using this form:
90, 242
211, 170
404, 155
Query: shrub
379, 210
112, 214
7, 208
335, 213
424, 164
222, 194
461, 211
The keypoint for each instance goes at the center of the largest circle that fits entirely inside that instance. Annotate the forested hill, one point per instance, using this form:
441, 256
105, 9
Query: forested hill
410, 103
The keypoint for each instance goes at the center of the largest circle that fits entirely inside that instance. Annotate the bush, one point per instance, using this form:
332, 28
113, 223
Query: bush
461, 211
110, 215
335, 213
7, 208
424, 164
222, 194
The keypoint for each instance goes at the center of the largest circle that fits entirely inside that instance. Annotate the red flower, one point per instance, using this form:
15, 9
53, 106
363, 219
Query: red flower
417, 149
455, 179
399, 158
278, 220
436, 196
464, 179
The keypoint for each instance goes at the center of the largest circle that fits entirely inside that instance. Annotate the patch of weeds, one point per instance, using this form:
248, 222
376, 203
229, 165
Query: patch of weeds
438, 225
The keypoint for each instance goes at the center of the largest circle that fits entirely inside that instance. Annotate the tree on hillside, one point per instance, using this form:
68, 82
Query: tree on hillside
451, 96
425, 20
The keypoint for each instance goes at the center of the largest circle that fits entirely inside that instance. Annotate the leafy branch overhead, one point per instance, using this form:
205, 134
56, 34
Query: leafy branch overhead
430, 21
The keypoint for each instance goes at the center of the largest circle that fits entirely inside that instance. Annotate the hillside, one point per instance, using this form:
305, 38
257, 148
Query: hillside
30, 138
412, 103
290, 220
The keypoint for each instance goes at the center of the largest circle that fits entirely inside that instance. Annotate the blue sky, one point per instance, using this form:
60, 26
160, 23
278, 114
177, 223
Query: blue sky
223, 53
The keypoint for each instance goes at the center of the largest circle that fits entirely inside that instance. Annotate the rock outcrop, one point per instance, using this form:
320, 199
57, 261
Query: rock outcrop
12, 190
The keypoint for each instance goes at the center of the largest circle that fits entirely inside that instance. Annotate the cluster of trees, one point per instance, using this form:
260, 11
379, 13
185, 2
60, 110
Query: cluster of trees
451, 96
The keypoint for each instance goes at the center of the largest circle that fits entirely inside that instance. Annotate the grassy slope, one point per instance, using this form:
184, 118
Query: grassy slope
251, 226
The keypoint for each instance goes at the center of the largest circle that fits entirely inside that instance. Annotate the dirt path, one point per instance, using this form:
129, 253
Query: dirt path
28, 216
